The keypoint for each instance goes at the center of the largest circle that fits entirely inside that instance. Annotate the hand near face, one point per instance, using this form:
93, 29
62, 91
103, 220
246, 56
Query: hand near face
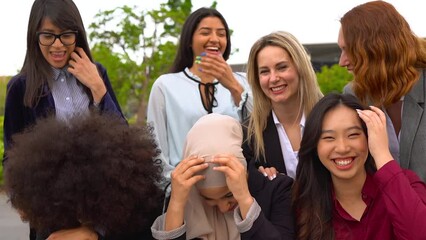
236, 179
183, 178
87, 73
81, 233
216, 66
375, 120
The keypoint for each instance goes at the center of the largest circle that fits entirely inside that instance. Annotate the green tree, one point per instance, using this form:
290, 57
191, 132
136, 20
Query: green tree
3, 84
136, 47
333, 79
1, 149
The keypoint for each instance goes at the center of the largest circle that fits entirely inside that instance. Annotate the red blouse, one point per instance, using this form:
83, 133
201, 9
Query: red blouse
396, 208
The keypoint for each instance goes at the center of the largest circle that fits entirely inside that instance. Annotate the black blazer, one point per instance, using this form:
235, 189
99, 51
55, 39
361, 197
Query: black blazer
273, 153
276, 221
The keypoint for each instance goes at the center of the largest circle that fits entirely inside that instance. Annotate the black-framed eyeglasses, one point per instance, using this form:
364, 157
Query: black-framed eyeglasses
47, 39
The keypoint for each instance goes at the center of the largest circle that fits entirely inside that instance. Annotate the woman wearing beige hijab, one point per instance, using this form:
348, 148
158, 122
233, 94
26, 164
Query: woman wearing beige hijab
211, 197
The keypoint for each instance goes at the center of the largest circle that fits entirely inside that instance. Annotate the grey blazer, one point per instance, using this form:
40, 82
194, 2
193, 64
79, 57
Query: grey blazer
412, 144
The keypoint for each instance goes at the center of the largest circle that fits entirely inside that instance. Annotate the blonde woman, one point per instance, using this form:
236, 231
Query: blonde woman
284, 90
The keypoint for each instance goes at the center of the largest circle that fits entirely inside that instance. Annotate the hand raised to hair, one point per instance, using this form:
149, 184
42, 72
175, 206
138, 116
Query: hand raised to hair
235, 172
375, 121
87, 73
183, 178
236, 179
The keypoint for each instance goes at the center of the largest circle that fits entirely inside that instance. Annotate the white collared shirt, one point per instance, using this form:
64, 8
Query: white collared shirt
290, 156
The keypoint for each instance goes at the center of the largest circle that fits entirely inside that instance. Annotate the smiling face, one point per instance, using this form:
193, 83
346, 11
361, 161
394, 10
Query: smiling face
210, 37
342, 147
278, 75
57, 55
219, 197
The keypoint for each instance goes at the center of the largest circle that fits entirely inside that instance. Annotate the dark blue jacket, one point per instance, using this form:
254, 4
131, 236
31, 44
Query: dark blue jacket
17, 117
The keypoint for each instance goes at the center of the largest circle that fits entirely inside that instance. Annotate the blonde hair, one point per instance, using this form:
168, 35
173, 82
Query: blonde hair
308, 91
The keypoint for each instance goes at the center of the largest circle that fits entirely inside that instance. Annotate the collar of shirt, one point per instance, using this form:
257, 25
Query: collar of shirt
369, 192
57, 72
195, 76
302, 121
290, 156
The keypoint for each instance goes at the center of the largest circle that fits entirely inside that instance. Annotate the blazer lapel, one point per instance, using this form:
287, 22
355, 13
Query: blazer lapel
273, 153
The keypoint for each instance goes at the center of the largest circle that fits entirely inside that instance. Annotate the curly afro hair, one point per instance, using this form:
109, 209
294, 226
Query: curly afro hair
94, 170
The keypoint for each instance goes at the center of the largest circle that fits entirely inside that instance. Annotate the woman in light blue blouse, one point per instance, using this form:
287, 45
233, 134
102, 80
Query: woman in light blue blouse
200, 82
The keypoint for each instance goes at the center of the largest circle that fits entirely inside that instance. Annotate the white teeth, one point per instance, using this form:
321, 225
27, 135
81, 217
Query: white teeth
277, 88
342, 162
213, 48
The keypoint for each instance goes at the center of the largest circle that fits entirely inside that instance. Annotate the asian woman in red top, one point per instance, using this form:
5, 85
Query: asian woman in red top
347, 186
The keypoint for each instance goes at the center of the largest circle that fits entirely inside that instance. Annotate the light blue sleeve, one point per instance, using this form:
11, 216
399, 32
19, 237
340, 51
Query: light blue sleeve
246, 104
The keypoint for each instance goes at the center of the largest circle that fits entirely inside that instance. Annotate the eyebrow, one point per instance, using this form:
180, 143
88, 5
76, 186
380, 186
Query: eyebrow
48, 30
209, 28
283, 62
347, 129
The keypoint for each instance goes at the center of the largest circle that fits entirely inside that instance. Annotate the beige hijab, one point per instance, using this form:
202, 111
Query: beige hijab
211, 135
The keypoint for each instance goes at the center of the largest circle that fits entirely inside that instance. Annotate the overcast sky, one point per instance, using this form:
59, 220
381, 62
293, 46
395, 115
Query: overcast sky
311, 21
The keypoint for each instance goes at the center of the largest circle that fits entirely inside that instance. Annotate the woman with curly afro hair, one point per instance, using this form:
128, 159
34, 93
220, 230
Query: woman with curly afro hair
90, 175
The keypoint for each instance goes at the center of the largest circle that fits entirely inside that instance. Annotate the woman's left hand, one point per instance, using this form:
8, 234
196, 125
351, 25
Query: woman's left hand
81, 233
375, 121
236, 179
87, 73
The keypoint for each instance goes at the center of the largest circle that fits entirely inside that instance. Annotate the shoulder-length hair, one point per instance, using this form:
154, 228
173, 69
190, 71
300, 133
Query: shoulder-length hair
308, 90
185, 56
65, 15
312, 200
384, 51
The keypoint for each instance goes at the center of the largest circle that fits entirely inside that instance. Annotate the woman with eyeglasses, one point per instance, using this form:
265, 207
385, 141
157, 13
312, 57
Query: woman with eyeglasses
58, 76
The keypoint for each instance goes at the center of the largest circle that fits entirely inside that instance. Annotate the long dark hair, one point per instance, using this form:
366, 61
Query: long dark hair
312, 187
185, 56
65, 15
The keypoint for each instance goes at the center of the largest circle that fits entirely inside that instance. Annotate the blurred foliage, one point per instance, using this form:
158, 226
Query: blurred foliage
333, 79
3, 83
1, 150
136, 47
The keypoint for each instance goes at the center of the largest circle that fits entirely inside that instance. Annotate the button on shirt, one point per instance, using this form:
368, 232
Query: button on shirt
290, 156
70, 97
